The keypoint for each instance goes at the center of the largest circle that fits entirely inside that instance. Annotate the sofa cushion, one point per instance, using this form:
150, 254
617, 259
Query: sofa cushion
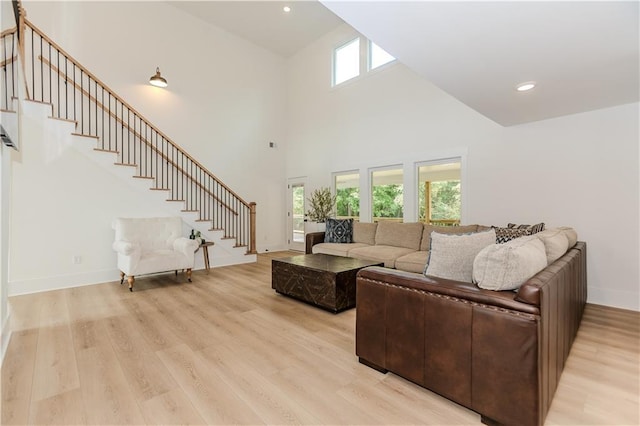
364, 232
407, 235
452, 256
504, 235
506, 266
336, 249
381, 253
413, 262
338, 231
555, 242
428, 229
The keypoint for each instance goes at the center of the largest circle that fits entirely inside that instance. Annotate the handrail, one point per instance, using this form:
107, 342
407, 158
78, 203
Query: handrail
77, 94
119, 99
119, 120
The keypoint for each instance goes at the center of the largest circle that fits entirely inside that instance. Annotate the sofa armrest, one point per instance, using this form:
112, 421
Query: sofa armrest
185, 246
126, 248
311, 239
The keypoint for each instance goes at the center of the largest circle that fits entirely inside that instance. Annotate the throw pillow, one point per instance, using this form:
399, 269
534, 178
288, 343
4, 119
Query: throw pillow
571, 235
555, 242
507, 234
538, 227
507, 266
451, 256
339, 231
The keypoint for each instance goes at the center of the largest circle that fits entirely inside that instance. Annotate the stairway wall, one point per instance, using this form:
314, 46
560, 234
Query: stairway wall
62, 206
225, 101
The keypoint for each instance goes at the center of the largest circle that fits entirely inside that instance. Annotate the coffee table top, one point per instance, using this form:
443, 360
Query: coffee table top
327, 262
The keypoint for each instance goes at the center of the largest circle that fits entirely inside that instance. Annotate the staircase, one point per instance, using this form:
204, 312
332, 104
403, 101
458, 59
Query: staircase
116, 136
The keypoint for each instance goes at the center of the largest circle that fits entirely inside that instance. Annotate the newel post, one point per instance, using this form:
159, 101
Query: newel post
252, 228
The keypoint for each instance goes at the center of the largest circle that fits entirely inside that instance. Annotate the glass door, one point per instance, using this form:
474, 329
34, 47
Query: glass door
296, 214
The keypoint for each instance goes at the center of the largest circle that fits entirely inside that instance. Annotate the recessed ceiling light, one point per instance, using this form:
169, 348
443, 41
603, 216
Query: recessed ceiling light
287, 9
523, 87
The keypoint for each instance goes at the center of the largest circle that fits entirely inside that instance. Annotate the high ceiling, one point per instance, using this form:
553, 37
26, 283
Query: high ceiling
265, 23
582, 55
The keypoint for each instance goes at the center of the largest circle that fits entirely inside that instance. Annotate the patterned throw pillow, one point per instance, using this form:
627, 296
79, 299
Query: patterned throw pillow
538, 227
339, 231
507, 234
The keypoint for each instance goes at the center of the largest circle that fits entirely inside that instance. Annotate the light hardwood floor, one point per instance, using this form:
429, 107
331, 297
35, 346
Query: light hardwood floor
226, 349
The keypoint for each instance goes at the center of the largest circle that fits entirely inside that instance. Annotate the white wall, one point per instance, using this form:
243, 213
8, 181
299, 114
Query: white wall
225, 101
7, 21
579, 170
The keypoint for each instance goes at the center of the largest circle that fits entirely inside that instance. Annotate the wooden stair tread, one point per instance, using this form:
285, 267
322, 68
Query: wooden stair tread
143, 177
125, 164
106, 150
160, 189
86, 136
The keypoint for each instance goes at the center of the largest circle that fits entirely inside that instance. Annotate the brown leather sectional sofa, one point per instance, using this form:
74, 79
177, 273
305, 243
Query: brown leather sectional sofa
499, 353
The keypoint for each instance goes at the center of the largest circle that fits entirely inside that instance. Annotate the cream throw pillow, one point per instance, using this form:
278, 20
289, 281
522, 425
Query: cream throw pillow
556, 243
506, 266
451, 256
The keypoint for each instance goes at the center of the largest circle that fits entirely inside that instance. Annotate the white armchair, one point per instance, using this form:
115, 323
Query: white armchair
150, 245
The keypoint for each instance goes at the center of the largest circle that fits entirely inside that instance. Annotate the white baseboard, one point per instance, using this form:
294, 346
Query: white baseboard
37, 285
614, 298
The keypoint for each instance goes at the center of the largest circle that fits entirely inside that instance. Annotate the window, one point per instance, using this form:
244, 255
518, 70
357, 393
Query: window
355, 58
346, 62
378, 56
439, 192
387, 195
347, 195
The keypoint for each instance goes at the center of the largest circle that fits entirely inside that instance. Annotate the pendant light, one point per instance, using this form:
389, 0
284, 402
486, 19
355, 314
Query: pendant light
157, 80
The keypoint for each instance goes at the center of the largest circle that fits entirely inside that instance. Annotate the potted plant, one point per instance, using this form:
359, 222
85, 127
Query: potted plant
321, 205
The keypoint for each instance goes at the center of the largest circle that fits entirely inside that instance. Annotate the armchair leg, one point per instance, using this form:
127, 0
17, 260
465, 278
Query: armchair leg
130, 280
189, 274
121, 277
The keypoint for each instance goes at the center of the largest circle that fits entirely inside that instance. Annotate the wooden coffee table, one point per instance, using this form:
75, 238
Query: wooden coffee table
319, 279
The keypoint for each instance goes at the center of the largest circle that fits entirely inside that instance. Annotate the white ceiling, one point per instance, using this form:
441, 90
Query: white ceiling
265, 23
584, 55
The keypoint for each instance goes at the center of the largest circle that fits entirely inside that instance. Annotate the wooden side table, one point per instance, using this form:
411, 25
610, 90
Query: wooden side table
205, 252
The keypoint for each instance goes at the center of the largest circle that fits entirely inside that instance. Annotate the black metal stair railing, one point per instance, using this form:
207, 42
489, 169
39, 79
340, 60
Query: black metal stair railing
53, 76
8, 68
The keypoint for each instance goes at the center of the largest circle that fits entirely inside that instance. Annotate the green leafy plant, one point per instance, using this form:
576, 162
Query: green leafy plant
321, 204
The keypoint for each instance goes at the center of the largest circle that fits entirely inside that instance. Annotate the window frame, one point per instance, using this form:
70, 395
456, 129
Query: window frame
371, 171
335, 61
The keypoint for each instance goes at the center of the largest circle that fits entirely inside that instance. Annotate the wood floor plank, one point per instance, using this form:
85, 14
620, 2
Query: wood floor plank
145, 373
55, 369
273, 404
171, 408
227, 349
17, 377
208, 393
62, 409
106, 394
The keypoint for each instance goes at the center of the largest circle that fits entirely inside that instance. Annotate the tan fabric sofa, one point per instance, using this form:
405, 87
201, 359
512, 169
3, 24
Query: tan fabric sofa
403, 246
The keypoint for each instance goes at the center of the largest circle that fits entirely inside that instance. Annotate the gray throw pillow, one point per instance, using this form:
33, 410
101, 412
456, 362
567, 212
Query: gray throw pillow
339, 231
451, 256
